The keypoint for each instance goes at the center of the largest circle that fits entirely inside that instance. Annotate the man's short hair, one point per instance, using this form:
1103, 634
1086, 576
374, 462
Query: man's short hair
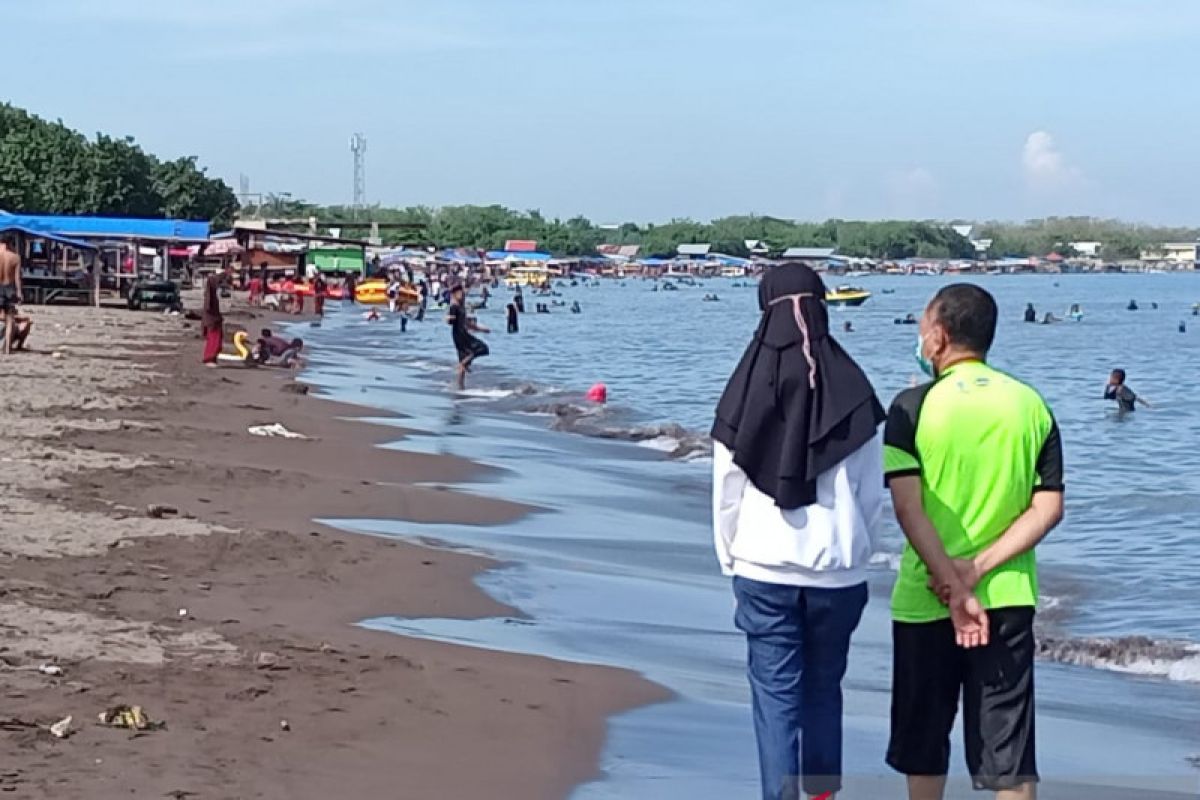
1120, 373
266, 333
968, 314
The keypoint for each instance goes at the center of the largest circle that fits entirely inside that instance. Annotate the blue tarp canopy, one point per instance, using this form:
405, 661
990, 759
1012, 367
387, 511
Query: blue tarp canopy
656, 262
6, 228
503, 255
460, 256
730, 261
122, 227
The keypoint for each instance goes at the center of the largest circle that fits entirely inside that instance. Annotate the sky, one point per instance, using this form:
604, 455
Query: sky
646, 110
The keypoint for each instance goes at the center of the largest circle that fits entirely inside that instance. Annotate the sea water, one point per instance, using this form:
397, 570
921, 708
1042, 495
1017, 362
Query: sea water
618, 569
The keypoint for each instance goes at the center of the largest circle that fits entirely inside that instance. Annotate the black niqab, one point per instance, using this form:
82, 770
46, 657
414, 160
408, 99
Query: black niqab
797, 404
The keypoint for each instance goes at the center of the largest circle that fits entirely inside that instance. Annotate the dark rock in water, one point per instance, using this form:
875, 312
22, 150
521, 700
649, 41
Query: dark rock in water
295, 388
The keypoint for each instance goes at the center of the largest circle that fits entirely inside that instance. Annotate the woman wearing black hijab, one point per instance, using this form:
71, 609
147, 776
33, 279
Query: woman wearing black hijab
797, 495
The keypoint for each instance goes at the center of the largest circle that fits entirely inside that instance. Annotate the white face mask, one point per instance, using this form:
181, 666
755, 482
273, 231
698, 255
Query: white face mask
924, 363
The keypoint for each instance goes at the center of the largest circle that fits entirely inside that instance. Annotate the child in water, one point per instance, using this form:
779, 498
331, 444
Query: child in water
1126, 398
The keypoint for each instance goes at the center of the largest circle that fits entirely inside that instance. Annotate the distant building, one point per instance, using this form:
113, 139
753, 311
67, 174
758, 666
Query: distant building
1087, 249
1179, 254
757, 247
964, 231
808, 253
694, 250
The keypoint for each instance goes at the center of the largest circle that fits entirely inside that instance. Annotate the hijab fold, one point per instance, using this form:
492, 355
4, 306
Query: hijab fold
797, 404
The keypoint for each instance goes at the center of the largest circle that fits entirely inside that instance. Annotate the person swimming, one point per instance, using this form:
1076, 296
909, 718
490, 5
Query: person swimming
1133, 306
576, 308
1126, 398
1030, 313
514, 319
1050, 319
909, 319
848, 327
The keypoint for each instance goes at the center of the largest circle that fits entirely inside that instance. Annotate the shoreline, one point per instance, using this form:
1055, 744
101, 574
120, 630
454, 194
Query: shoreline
269, 599
593, 579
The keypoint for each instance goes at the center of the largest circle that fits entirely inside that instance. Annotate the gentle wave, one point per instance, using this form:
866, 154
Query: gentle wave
1135, 655
572, 414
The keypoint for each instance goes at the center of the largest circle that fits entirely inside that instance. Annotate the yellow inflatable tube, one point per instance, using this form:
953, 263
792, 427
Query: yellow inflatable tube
241, 343
374, 293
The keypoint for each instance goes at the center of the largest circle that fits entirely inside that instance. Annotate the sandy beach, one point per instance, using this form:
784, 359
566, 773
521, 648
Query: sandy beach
160, 556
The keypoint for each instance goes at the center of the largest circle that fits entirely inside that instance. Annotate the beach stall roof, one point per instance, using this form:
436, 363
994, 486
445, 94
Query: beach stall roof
112, 227
459, 255
5, 227
222, 245
809, 252
694, 249
521, 245
245, 233
508, 255
730, 261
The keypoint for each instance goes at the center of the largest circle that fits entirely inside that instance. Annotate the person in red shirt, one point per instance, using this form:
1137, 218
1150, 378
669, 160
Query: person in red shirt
319, 288
211, 320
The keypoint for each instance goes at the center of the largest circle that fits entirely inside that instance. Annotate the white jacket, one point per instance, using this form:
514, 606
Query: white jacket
827, 544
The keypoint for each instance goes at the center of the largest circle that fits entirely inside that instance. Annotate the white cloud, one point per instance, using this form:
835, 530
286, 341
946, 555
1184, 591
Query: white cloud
1045, 168
913, 193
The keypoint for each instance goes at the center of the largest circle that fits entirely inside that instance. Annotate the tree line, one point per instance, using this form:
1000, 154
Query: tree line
489, 227
47, 168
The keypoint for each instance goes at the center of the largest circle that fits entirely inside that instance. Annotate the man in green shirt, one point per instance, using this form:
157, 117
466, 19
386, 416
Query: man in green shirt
974, 463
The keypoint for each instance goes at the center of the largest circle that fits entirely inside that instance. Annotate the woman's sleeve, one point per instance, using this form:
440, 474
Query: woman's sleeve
729, 482
869, 480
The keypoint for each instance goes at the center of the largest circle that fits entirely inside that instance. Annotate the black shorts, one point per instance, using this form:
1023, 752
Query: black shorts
9, 298
930, 670
471, 349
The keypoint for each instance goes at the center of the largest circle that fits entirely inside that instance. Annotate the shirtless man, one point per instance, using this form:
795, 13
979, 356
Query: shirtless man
10, 290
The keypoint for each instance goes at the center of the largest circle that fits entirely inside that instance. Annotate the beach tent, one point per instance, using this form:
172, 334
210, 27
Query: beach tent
336, 259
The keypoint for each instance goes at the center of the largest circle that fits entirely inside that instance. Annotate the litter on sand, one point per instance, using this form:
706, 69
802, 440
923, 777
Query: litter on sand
53, 670
275, 429
131, 717
61, 729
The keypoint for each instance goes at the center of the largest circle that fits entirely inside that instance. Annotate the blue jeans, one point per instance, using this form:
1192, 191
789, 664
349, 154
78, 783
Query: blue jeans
798, 640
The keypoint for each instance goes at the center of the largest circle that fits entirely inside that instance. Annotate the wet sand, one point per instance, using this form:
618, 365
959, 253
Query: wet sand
230, 616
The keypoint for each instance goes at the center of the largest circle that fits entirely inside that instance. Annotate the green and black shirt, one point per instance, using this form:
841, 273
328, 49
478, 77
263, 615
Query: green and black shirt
982, 443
